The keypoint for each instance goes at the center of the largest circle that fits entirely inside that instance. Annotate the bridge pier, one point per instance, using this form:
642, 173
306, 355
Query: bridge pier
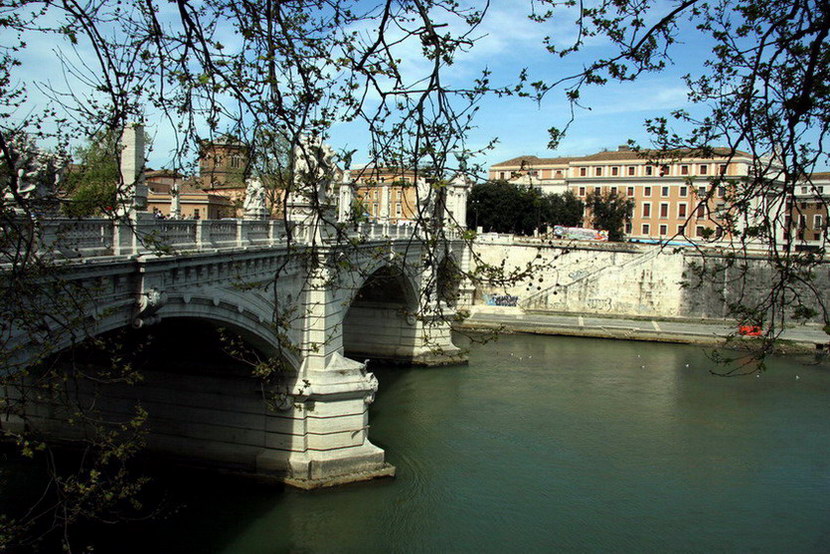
332, 406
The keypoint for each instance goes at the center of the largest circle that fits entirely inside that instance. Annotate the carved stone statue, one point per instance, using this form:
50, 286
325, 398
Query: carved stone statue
38, 176
175, 202
315, 170
255, 201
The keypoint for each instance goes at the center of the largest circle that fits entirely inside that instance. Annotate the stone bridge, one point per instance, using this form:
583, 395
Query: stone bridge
305, 295
302, 293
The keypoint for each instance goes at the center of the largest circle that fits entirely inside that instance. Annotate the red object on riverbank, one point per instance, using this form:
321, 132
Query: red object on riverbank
749, 330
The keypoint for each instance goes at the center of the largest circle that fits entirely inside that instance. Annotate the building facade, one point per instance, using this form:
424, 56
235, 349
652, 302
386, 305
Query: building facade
386, 194
677, 197
805, 219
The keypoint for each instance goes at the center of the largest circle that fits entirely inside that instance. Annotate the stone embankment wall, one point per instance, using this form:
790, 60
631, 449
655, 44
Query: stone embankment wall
622, 279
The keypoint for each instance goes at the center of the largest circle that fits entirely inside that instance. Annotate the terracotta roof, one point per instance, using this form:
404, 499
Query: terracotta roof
611, 155
162, 173
531, 160
657, 154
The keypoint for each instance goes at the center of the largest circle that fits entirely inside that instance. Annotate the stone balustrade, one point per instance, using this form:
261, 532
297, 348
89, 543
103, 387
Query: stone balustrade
90, 238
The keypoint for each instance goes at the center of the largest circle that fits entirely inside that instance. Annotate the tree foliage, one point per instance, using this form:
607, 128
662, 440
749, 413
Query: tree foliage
273, 72
762, 89
610, 212
277, 75
91, 184
502, 207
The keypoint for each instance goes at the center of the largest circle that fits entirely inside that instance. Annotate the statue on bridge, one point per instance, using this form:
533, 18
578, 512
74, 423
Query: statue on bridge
38, 175
255, 201
315, 169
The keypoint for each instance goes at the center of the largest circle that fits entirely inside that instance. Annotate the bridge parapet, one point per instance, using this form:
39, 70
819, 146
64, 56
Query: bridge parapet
90, 238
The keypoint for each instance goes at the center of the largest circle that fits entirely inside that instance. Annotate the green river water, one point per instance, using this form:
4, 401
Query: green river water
548, 444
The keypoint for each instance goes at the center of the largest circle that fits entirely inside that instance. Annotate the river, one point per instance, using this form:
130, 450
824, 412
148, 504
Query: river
548, 444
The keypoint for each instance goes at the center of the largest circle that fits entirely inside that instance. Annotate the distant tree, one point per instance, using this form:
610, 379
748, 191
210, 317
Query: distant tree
502, 207
493, 206
562, 209
92, 182
610, 212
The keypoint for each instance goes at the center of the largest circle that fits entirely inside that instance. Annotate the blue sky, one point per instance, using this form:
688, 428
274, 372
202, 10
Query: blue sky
508, 41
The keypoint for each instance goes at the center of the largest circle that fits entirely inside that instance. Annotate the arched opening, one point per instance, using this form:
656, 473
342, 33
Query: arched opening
381, 322
202, 385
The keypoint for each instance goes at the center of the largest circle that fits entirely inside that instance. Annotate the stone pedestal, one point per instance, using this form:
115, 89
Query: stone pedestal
132, 192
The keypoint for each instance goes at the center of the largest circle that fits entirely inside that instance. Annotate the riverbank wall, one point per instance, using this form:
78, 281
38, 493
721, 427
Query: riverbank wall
631, 280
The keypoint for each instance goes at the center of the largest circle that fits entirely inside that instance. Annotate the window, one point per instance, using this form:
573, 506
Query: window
581, 191
630, 191
665, 192
502, 175
684, 191
398, 209
681, 229
699, 231
597, 190
646, 209
820, 190
684, 169
583, 171
664, 230
631, 170
722, 169
701, 210
721, 192
646, 191
664, 170
704, 169
701, 192
817, 222
649, 170
802, 221
615, 171
681, 210
646, 228
628, 228
613, 190
236, 162
803, 190
196, 213
664, 210
598, 172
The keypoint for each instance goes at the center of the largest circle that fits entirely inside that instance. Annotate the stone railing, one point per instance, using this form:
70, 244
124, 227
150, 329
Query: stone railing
90, 238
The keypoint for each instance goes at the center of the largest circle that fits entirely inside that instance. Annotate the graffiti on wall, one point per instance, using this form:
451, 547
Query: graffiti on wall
501, 300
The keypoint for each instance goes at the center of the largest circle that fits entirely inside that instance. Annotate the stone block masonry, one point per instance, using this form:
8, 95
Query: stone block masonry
627, 280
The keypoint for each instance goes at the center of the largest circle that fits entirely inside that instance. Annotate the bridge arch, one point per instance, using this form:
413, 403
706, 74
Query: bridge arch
380, 321
203, 406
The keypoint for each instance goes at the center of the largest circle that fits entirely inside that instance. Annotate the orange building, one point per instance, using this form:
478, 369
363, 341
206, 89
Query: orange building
805, 220
386, 193
672, 197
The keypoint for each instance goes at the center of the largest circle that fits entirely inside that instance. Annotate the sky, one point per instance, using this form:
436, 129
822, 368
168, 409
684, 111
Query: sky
507, 42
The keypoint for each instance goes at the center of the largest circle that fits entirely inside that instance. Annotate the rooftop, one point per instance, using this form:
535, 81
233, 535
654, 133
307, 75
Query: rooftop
622, 153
